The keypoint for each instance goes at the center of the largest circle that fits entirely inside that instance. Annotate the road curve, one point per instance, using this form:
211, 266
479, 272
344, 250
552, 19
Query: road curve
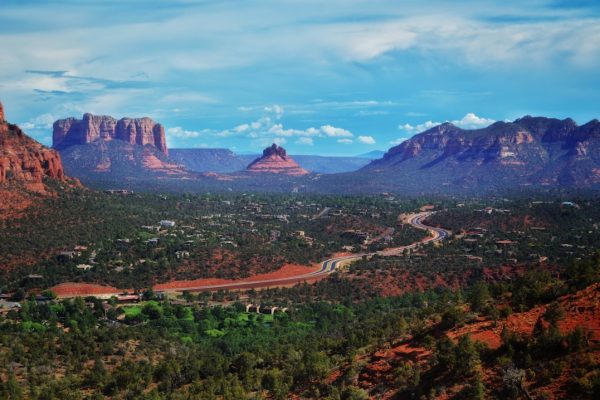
332, 264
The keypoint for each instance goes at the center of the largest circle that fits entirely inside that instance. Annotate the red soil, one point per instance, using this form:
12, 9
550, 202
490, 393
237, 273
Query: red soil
14, 204
382, 364
582, 309
73, 289
287, 271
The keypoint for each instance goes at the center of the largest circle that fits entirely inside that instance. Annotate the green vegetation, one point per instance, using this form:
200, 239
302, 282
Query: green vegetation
206, 346
222, 236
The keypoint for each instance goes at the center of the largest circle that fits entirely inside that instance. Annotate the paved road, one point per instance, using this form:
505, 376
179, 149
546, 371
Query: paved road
332, 264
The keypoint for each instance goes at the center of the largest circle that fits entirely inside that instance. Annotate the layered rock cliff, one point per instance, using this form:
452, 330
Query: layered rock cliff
276, 161
118, 161
528, 151
142, 131
23, 160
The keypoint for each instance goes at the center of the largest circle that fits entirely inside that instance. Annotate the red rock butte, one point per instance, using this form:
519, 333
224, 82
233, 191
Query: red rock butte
275, 161
71, 131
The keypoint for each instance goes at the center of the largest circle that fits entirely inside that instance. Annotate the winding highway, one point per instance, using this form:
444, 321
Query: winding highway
332, 264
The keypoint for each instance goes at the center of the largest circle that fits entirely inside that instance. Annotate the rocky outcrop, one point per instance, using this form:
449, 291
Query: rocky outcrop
25, 161
142, 131
527, 151
118, 161
275, 161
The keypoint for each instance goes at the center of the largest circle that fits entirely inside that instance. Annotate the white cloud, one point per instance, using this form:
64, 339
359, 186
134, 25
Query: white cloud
345, 141
268, 127
463, 35
279, 141
179, 132
366, 139
275, 109
469, 121
472, 121
267, 39
241, 128
368, 113
279, 130
418, 128
332, 131
305, 141
44, 121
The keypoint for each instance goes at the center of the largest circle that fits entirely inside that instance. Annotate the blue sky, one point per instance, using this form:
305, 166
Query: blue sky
335, 77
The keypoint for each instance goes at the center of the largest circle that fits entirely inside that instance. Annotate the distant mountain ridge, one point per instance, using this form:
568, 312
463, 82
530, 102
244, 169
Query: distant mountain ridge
528, 151
374, 154
226, 161
210, 160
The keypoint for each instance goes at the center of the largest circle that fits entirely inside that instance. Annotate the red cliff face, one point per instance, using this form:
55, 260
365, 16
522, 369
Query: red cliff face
276, 161
71, 131
23, 160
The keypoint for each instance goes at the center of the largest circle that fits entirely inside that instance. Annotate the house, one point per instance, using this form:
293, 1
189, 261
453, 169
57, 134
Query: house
151, 228
182, 254
568, 204
505, 242
152, 242
84, 267
166, 223
79, 249
9, 305
128, 298
274, 235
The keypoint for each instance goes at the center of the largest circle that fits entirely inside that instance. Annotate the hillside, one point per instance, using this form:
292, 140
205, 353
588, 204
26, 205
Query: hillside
26, 169
488, 357
117, 160
330, 164
528, 151
209, 160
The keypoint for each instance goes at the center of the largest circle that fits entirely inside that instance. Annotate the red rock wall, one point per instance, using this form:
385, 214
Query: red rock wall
25, 160
141, 131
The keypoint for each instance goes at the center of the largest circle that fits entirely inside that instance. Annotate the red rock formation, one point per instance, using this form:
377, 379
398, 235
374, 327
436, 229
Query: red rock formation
71, 131
276, 161
23, 160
